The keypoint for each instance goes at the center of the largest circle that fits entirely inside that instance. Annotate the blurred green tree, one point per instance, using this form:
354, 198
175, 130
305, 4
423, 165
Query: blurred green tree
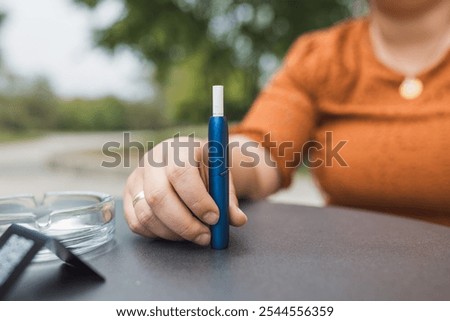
2, 19
194, 44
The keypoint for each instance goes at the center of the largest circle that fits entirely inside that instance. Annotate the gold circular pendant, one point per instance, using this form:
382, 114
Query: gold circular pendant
411, 88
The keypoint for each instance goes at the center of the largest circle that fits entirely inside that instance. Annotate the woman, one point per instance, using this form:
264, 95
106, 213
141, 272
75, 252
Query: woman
379, 86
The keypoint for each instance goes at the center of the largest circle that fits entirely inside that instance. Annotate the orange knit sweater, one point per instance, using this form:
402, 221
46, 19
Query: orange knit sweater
397, 151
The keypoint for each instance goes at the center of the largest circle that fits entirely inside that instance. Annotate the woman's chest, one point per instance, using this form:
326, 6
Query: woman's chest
388, 162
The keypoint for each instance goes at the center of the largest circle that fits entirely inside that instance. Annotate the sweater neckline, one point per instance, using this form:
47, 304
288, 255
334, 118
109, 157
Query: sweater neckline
368, 47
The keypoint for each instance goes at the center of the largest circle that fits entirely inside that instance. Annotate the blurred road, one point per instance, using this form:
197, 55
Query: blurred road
28, 166
72, 161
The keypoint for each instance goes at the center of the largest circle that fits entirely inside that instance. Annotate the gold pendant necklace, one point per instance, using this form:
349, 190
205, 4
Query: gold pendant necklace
411, 88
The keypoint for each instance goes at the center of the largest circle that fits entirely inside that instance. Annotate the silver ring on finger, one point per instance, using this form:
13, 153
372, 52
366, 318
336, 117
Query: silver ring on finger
138, 197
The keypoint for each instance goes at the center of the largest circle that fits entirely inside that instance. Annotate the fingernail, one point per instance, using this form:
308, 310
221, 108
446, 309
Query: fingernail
202, 239
243, 214
211, 218
240, 211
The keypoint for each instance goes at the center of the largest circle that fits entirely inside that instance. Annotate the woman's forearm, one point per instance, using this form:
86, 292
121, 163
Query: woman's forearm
254, 175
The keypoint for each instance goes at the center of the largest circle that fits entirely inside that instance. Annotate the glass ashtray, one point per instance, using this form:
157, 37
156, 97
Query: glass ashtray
83, 221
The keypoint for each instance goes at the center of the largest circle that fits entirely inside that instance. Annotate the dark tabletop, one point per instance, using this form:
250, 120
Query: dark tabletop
285, 252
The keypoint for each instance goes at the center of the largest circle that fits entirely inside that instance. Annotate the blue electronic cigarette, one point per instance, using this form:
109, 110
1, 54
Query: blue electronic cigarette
218, 169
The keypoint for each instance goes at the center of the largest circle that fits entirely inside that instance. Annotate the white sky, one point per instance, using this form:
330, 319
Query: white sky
53, 38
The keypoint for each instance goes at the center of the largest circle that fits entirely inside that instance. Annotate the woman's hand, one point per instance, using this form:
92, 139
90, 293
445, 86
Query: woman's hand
177, 205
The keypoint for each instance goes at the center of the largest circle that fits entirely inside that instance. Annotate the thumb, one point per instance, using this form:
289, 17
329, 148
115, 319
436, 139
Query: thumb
237, 217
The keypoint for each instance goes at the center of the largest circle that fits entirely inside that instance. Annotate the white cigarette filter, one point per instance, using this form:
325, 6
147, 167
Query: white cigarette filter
217, 101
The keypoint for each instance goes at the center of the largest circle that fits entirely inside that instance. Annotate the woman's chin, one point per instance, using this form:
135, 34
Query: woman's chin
404, 8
